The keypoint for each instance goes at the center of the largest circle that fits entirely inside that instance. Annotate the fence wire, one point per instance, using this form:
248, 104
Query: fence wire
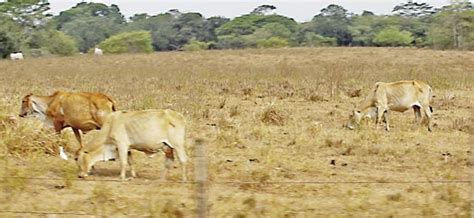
159, 181
148, 182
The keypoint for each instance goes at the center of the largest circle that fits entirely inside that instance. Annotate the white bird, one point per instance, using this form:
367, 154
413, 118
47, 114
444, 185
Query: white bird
62, 154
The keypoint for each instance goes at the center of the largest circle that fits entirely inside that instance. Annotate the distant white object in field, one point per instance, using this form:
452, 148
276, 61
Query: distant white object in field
16, 56
98, 51
62, 154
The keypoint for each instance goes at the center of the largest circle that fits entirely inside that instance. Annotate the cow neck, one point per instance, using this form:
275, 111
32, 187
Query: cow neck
366, 103
46, 100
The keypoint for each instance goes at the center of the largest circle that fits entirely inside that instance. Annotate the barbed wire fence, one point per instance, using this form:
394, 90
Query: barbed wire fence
202, 184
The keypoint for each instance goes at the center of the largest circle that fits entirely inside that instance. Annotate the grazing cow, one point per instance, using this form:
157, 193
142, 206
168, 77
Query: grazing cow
149, 131
396, 96
98, 51
16, 56
79, 110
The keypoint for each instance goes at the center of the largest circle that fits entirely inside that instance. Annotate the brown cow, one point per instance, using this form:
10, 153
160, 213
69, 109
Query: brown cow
83, 111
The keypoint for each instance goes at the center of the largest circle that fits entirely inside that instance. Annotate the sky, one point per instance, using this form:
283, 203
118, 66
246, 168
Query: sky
300, 10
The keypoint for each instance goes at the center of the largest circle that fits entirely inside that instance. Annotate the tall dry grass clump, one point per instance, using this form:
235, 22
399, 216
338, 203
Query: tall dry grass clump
25, 137
273, 115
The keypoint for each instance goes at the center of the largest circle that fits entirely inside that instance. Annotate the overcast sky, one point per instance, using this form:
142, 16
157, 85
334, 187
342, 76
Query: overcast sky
300, 10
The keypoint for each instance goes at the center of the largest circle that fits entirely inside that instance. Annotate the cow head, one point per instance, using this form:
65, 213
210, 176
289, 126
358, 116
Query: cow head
26, 106
354, 119
33, 106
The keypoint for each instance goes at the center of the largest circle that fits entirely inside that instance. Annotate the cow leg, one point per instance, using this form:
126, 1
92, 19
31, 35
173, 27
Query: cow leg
123, 156
380, 114
78, 136
130, 163
385, 119
418, 117
182, 159
429, 117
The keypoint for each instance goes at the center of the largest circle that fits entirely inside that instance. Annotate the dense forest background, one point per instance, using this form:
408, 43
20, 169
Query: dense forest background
26, 25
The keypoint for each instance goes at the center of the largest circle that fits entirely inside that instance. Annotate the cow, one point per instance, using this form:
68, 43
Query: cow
395, 96
148, 131
98, 51
83, 111
16, 56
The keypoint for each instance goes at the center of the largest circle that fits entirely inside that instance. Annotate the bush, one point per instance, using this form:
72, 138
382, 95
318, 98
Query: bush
393, 37
273, 42
51, 42
195, 45
128, 42
61, 44
313, 39
231, 41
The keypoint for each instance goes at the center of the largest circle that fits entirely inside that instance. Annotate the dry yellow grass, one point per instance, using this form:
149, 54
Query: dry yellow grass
267, 116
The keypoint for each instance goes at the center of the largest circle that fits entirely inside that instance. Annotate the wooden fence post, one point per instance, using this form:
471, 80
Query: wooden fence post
201, 177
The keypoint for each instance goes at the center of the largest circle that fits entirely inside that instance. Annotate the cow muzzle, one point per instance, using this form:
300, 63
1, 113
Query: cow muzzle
82, 175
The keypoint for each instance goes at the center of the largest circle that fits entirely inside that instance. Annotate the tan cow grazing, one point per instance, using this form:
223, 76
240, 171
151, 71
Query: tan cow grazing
149, 131
79, 110
395, 96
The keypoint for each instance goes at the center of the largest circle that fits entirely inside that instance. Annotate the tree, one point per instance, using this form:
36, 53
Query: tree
413, 9
391, 36
334, 11
247, 24
314, 40
453, 27
363, 30
84, 10
333, 21
89, 31
139, 17
128, 42
210, 26
263, 9
367, 13
7, 44
162, 29
28, 13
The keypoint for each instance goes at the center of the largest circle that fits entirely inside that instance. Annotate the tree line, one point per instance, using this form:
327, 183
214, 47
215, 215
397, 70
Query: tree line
26, 25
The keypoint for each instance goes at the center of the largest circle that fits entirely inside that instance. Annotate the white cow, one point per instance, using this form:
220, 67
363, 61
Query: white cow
396, 96
16, 56
149, 131
98, 51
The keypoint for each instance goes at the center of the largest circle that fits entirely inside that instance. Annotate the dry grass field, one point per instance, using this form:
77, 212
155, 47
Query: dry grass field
272, 117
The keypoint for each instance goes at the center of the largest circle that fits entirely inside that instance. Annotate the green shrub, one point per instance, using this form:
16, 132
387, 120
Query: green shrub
313, 39
128, 42
272, 42
393, 37
195, 45
231, 41
50, 42
61, 44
